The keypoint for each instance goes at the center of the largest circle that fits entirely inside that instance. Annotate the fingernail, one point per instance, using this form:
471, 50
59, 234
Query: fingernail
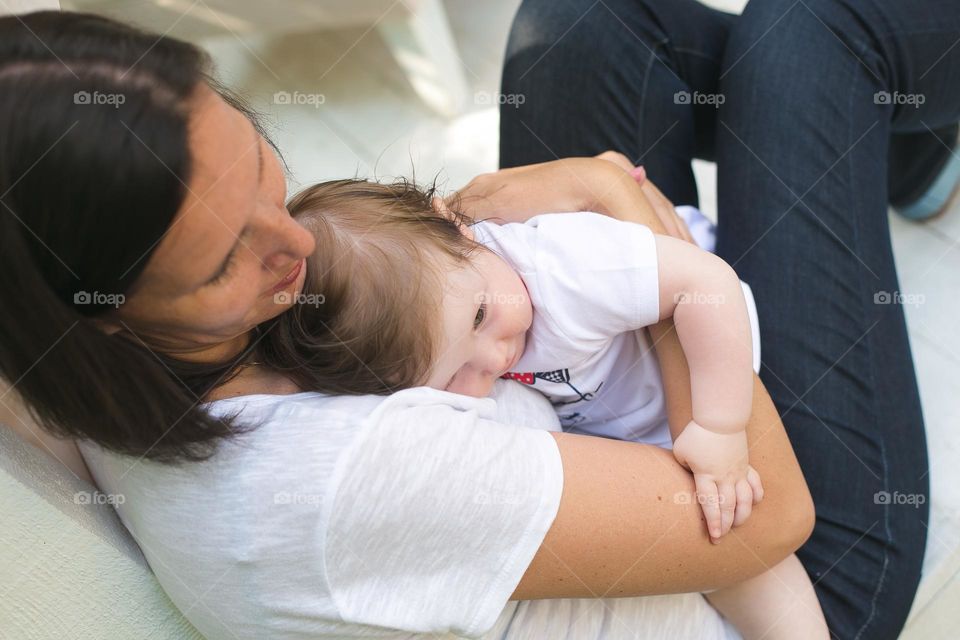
638, 173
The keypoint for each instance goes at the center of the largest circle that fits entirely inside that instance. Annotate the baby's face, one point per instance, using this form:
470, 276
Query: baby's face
486, 314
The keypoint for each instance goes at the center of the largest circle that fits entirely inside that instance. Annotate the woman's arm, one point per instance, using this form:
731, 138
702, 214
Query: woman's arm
628, 524
602, 184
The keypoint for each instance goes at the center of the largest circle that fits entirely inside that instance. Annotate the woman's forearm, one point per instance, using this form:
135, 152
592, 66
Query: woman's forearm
561, 186
789, 489
628, 524
673, 369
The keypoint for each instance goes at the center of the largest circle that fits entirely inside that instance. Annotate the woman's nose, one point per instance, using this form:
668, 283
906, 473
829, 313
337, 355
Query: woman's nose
289, 242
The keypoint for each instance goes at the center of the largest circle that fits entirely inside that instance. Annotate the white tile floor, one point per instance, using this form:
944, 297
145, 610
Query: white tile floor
371, 123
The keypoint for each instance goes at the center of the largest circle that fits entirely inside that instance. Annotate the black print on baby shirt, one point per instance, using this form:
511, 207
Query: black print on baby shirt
557, 377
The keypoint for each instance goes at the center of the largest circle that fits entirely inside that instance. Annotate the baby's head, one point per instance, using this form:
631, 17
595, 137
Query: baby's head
397, 295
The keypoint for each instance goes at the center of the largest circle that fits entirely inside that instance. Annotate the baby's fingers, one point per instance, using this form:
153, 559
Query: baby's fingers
744, 502
728, 505
754, 479
709, 500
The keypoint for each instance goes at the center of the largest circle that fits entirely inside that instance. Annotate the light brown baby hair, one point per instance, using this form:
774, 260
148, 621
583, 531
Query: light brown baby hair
368, 319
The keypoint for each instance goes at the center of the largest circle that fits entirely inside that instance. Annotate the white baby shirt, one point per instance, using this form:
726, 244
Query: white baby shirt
593, 285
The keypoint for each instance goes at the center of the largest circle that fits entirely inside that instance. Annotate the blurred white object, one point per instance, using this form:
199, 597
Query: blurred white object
704, 232
416, 31
23, 6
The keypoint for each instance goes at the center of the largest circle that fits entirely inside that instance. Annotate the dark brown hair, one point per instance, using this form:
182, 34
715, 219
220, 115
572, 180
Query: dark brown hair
367, 321
93, 161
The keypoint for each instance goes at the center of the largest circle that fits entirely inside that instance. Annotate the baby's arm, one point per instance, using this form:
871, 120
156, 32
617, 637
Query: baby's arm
703, 295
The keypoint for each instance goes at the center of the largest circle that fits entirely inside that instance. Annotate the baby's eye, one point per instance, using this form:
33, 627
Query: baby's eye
481, 314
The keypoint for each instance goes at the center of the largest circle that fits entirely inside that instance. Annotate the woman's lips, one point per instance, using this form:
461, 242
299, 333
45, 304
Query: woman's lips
288, 279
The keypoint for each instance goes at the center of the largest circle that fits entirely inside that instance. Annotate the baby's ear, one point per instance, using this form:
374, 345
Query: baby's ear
440, 206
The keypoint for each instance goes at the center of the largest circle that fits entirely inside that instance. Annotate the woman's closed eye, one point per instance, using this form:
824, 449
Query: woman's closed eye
224, 269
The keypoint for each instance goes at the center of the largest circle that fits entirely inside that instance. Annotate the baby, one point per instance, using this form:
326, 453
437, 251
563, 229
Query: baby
404, 292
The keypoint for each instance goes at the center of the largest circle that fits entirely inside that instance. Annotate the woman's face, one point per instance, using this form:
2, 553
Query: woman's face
232, 258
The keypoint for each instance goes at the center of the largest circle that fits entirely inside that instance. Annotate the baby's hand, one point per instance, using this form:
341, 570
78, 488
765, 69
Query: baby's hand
727, 486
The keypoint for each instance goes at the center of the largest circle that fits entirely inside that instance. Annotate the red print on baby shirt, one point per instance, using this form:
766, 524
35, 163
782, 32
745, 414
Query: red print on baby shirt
559, 376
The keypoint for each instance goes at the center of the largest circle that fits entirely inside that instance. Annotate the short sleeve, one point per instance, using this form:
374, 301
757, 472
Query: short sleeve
436, 513
589, 276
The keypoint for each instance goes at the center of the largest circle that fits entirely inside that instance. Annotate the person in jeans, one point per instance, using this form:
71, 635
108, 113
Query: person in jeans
818, 113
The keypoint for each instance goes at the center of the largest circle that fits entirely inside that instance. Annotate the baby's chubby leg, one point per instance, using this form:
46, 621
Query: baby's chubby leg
779, 604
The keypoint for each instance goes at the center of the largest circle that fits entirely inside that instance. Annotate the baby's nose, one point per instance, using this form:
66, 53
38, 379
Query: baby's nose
504, 357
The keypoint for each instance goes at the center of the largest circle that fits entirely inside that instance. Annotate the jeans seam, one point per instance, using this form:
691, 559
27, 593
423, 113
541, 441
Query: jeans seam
914, 32
698, 53
643, 99
862, 50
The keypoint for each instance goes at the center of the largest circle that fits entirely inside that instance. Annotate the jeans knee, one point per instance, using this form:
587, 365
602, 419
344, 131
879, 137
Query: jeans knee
541, 24
791, 45
557, 33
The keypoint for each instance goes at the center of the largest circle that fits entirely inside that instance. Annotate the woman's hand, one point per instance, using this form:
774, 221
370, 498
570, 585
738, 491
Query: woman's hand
672, 223
607, 184
517, 194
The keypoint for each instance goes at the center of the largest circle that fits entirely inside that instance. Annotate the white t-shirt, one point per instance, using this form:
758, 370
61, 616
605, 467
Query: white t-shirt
593, 283
370, 516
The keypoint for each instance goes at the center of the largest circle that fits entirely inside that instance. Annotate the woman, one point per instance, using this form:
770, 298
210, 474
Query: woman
809, 108
135, 289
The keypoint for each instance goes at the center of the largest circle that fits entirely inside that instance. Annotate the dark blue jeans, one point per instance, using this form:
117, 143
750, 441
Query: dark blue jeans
805, 105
